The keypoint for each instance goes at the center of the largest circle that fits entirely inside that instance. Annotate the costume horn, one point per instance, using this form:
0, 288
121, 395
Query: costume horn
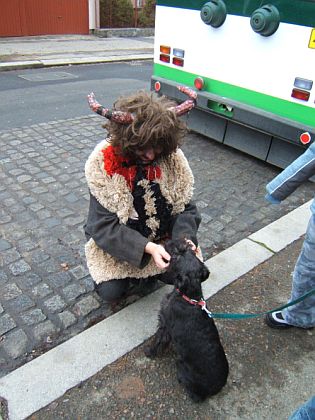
188, 104
116, 116
122, 117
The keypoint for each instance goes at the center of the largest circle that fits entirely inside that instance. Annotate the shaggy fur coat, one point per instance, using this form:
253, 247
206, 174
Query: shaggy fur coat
113, 194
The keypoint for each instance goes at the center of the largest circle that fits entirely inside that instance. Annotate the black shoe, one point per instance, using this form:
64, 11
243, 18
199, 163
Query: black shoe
275, 320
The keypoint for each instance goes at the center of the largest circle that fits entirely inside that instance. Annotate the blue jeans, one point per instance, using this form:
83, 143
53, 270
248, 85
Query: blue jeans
303, 314
305, 412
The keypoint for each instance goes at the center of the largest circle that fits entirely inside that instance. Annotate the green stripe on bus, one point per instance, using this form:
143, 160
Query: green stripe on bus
297, 12
293, 111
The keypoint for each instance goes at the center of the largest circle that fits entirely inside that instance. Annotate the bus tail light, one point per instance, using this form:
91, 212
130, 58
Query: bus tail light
165, 58
300, 94
165, 49
178, 53
305, 138
178, 61
157, 86
301, 83
199, 83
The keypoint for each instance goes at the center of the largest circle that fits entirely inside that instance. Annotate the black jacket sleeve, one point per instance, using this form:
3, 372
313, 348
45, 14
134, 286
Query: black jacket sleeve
116, 239
185, 224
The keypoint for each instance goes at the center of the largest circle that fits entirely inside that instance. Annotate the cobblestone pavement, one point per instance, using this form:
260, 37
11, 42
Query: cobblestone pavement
47, 295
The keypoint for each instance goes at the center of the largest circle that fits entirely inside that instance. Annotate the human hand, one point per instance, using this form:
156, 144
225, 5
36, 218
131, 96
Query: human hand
192, 245
158, 253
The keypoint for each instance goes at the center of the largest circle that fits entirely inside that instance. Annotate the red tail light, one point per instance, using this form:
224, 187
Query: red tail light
199, 83
165, 58
157, 86
305, 138
300, 94
178, 61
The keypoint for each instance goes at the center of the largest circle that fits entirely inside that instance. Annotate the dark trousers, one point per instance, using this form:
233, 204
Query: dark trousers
114, 290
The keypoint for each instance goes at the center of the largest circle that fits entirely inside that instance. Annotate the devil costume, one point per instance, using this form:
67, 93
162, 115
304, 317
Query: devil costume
132, 203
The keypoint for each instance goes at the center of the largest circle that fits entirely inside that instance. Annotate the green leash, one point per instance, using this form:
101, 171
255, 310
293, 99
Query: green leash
242, 316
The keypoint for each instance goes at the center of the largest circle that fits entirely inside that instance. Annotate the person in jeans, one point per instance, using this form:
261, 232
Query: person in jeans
305, 412
141, 188
302, 314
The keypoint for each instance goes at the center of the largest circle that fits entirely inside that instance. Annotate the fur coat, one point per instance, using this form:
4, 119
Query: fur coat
113, 194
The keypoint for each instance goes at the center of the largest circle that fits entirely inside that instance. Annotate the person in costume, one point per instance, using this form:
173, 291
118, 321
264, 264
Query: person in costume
141, 189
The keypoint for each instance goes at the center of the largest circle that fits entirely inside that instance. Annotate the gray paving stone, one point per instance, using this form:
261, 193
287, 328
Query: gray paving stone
79, 272
73, 291
88, 284
8, 256
71, 198
85, 306
72, 221
28, 280
3, 277
9, 202
24, 178
36, 206
59, 279
4, 245
10, 291
52, 222
20, 304
6, 324
33, 317
40, 291
19, 267
67, 319
15, 343
54, 304
26, 245
44, 330
1, 309
4, 217
48, 267
37, 256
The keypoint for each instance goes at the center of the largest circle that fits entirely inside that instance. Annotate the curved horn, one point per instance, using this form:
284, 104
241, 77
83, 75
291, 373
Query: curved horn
119, 117
189, 104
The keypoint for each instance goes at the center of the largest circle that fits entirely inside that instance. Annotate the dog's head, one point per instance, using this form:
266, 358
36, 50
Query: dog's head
186, 271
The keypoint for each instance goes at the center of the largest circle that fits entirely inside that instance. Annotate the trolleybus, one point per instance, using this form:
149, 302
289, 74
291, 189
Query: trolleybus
252, 63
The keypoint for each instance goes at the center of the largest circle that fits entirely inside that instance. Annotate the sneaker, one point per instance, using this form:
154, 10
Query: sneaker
275, 320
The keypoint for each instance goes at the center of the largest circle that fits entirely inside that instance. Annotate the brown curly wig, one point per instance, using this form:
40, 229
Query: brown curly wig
154, 126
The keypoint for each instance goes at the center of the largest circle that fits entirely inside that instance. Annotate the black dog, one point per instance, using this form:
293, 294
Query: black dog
202, 366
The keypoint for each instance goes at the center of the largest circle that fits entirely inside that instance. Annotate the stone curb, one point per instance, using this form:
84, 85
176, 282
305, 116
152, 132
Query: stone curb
21, 65
49, 376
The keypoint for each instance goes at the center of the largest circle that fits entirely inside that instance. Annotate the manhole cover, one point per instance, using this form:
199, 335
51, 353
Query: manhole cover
44, 77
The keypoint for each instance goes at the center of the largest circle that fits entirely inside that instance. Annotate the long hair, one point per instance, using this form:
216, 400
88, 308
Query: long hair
154, 125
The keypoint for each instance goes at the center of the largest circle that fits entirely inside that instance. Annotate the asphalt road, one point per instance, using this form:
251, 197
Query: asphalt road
40, 95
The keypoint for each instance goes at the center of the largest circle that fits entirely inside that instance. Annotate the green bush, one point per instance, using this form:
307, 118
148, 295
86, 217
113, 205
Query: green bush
147, 15
116, 14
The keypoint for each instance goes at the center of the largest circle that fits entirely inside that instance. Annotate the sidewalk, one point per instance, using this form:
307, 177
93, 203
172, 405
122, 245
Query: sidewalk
271, 372
46, 51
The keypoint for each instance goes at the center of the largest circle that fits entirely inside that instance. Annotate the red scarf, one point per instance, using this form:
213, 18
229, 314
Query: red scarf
115, 163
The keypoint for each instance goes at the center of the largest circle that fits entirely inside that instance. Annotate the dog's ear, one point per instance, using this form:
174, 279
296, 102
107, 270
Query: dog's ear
171, 247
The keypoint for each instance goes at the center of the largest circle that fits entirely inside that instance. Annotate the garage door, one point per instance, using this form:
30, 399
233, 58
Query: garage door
43, 17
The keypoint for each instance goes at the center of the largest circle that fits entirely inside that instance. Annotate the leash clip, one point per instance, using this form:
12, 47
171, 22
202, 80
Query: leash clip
203, 305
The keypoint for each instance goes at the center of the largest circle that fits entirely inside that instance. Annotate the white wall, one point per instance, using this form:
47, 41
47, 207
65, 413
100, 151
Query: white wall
94, 14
